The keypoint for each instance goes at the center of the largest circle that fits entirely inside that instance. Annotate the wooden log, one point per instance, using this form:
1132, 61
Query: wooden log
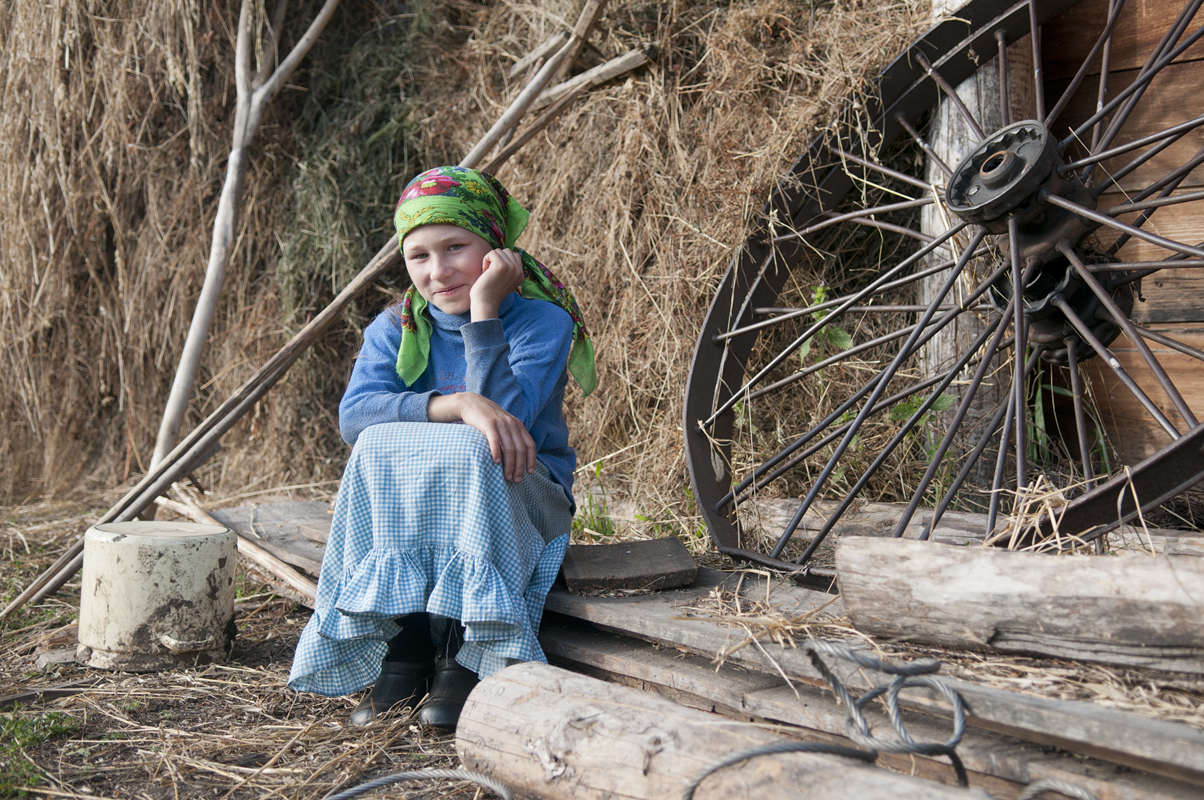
596, 76
770, 516
1136, 612
1001, 765
1164, 748
552, 734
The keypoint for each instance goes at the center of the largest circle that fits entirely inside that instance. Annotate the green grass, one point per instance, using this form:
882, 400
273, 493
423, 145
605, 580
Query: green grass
18, 733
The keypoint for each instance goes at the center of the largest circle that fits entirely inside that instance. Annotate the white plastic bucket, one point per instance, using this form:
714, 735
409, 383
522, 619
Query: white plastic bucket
156, 595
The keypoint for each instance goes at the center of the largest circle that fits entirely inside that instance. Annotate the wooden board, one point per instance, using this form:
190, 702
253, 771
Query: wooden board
1069, 37
999, 764
1129, 426
549, 733
1165, 748
295, 532
1172, 98
1141, 613
649, 564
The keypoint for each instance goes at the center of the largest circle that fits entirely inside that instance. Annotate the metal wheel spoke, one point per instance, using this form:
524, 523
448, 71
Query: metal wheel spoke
1104, 219
1019, 373
1125, 208
1105, 38
1150, 267
1139, 83
923, 143
935, 458
853, 216
1176, 131
887, 375
1174, 344
844, 155
951, 93
1122, 319
797, 343
1116, 177
1080, 412
1038, 73
1101, 96
1111, 361
1005, 110
1153, 67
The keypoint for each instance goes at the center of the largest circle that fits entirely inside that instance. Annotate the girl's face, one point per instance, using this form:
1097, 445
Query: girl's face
444, 261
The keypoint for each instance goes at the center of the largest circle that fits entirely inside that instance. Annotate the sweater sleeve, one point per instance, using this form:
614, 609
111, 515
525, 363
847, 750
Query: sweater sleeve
519, 368
376, 394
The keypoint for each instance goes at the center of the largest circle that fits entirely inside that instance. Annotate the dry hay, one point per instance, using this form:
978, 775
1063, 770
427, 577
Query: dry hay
117, 130
1159, 695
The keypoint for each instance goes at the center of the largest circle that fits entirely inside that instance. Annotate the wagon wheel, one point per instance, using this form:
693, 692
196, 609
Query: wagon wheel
866, 344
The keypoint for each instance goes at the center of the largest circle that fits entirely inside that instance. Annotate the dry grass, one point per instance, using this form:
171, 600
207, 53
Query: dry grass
230, 730
639, 195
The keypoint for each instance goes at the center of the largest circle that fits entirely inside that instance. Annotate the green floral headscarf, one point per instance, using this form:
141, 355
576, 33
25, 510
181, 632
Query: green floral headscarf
477, 202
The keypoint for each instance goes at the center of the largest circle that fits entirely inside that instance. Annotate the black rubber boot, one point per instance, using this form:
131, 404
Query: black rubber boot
405, 672
451, 686
401, 683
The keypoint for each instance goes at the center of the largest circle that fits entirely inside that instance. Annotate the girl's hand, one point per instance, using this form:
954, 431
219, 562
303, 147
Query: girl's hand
501, 274
509, 442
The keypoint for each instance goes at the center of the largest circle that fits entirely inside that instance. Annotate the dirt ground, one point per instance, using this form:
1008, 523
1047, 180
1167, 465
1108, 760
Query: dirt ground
213, 731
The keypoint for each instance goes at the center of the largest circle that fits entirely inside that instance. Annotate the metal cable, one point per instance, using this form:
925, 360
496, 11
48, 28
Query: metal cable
422, 775
1050, 785
857, 728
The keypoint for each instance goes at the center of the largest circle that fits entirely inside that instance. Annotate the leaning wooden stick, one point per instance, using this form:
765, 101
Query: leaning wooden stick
535, 127
585, 22
596, 76
202, 442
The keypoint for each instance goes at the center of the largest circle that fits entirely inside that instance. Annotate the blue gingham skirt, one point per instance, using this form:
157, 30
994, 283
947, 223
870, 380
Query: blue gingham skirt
424, 521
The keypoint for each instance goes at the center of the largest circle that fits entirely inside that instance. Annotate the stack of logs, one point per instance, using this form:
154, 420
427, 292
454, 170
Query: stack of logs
549, 732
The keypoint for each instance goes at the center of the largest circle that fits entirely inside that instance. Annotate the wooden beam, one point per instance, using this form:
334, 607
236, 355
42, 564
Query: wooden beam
1135, 612
549, 733
1002, 765
1165, 748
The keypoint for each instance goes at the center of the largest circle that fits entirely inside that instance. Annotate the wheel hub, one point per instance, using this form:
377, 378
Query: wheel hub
1005, 178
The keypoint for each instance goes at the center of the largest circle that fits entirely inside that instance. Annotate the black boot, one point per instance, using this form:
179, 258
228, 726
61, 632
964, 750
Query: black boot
451, 686
405, 672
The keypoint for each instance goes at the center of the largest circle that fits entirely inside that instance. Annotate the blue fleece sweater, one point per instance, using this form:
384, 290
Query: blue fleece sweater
518, 361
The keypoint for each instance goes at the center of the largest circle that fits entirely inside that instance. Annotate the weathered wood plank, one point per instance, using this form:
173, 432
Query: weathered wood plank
999, 764
1165, 748
1069, 37
553, 734
1171, 99
648, 564
1143, 612
293, 531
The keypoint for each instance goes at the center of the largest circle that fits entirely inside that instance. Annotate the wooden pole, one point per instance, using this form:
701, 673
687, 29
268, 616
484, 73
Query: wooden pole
254, 93
546, 732
596, 76
516, 110
585, 22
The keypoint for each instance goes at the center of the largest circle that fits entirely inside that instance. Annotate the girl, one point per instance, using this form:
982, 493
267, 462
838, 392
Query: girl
446, 538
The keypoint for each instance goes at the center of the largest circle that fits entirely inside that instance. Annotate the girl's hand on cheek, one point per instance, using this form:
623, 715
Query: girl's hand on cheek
501, 274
